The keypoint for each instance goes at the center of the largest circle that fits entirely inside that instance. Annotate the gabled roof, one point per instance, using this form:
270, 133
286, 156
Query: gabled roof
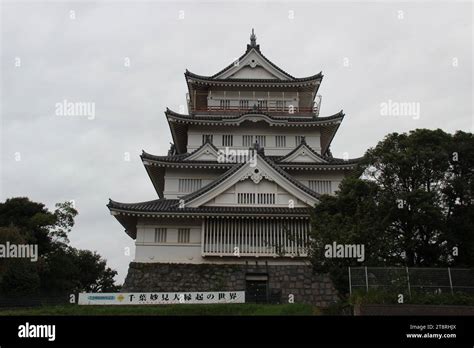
303, 153
185, 158
155, 165
265, 168
206, 152
293, 82
252, 57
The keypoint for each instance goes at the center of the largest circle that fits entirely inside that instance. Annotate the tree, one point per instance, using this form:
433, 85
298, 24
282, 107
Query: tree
17, 276
409, 203
60, 268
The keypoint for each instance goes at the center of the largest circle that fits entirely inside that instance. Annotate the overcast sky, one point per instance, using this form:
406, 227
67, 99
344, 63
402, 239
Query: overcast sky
369, 53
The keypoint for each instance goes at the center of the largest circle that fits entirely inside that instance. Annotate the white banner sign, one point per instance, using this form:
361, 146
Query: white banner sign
153, 298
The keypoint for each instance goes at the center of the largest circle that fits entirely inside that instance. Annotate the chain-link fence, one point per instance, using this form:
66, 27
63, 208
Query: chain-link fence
407, 280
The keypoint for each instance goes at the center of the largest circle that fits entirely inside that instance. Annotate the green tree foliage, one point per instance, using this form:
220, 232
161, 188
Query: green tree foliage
410, 204
60, 268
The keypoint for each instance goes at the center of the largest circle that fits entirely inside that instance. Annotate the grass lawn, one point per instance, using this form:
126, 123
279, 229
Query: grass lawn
178, 309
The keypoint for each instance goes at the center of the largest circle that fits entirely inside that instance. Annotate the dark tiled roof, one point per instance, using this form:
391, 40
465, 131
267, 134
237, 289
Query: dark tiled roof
257, 49
234, 169
172, 206
290, 178
178, 157
292, 81
303, 143
181, 159
214, 183
280, 119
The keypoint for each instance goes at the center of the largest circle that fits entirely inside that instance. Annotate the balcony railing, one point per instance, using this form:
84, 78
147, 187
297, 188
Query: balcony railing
270, 109
255, 237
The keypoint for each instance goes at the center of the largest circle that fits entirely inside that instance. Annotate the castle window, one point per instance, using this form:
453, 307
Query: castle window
280, 105
207, 136
225, 104
247, 140
227, 140
189, 185
261, 140
261, 198
183, 235
246, 198
244, 104
280, 141
265, 198
160, 235
262, 104
321, 186
298, 139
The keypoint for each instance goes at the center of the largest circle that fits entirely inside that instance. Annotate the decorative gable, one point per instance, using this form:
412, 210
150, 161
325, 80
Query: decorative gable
256, 171
207, 152
303, 153
253, 65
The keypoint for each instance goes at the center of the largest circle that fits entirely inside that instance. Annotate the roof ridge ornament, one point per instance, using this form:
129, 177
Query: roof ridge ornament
253, 42
253, 38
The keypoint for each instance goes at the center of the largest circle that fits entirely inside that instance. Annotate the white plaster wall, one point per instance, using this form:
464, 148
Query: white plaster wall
229, 197
312, 137
335, 177
171, 252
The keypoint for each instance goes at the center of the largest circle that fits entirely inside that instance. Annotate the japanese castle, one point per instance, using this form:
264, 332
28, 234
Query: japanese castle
247, 163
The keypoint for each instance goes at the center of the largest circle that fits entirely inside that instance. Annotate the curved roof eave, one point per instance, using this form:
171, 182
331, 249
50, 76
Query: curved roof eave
188, 74
294, 119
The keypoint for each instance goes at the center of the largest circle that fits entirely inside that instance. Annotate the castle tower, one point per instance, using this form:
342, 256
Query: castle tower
247, 163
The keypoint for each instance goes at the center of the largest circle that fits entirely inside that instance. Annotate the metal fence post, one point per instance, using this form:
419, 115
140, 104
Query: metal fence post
350, 281
366, 280
450, 281
408, 282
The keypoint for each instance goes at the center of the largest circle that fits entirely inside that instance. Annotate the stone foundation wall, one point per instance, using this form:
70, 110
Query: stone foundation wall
298, 280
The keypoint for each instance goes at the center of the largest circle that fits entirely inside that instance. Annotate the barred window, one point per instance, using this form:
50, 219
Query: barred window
160, 235
225, 104
261, 140
298, 139
227, 140
244, 104
189, 185
265, 198
207, 136
280, 105
249, 198
247, 140
280, 141
183, 235
262, 104
321, 186
246, 198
